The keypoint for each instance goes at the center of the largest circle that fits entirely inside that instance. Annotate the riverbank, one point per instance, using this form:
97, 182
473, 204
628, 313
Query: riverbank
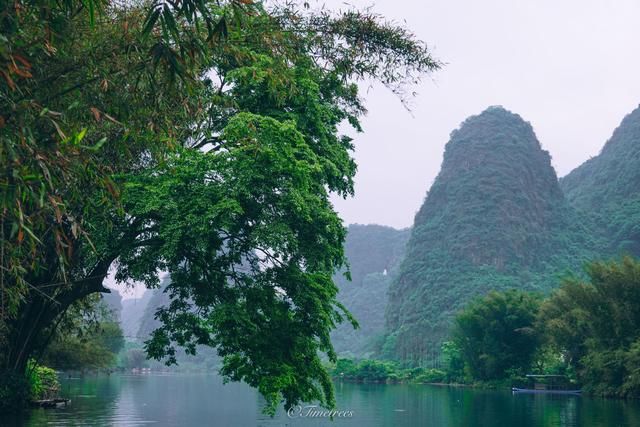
372, 371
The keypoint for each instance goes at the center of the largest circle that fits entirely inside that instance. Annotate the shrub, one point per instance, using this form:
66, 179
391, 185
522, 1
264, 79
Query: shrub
43, 382
432, 376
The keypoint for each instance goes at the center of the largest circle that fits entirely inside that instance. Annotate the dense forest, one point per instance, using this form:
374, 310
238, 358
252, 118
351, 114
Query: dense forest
587, 330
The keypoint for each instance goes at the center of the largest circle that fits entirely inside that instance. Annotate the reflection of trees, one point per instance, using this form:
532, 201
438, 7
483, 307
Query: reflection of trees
608, 412
490, 407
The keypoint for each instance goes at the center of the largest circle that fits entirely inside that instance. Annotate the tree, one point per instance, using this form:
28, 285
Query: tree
453, 362
495, 334
88, 337
595, 325
196, 138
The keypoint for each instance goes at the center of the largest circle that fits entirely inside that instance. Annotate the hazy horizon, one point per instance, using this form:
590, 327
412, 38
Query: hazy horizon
567, 68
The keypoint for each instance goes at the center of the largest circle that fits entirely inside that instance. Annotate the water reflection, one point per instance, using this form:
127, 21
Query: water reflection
202, 400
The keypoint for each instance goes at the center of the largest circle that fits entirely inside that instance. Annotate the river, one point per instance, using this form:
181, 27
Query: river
203, 400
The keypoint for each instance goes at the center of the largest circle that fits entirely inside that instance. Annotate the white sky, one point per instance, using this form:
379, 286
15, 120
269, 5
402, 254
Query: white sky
570, 67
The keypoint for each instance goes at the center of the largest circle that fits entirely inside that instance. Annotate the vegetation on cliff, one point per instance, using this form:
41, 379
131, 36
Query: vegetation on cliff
606, 189
495, 218
373, 253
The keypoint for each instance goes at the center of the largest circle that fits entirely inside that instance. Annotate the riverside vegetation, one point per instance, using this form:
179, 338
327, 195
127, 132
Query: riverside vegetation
587, 329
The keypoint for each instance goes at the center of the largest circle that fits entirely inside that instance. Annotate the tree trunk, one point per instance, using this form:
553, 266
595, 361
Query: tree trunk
27, 335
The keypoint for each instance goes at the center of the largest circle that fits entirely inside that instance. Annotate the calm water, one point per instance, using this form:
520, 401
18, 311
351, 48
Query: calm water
202, 400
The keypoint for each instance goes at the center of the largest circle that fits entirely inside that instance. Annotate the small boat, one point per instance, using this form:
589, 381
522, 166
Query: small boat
547, 391
548, 384
51, 403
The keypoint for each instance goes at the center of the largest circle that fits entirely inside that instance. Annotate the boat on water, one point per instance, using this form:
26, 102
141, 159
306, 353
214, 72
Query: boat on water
548, 384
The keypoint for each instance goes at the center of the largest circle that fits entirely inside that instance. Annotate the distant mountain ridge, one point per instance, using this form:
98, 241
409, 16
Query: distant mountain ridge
606, 188
132, 313
374, 253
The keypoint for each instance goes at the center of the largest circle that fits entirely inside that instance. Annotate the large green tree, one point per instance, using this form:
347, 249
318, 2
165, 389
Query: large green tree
198, 138
496, 334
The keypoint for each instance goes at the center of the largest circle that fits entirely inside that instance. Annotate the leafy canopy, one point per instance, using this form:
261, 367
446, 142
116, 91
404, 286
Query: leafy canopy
199, 138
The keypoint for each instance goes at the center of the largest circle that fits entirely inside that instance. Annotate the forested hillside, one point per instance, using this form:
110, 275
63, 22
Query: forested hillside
607, 188
373, 253
494, 218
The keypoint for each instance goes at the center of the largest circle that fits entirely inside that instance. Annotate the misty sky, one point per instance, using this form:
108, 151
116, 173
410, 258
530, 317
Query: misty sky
571, 68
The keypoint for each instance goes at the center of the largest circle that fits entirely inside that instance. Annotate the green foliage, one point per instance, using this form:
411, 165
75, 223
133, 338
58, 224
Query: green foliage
43, 381
369, 370
496, 335
270, 291
196, 138
432, 375
75, 353
595, 325
373, 370
453, 362
495, 218
15, 391
586, 331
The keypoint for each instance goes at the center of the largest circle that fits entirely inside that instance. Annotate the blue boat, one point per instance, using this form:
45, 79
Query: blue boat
547, 384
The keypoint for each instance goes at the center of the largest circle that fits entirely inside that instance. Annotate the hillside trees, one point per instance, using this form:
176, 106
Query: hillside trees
88, 336
196, 138
373, 253
606, 188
